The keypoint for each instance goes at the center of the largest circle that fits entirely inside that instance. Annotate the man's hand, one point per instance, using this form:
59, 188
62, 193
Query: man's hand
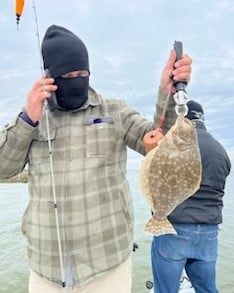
40, 91
173, 71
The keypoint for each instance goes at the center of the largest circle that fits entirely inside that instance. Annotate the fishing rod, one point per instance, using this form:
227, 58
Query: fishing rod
44, 73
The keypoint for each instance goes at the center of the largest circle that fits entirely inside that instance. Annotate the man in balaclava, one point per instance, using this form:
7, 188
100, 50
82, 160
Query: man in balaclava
83, 240
64, 52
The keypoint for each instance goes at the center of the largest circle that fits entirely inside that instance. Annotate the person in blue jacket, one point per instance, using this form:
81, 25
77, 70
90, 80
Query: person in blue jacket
196, 221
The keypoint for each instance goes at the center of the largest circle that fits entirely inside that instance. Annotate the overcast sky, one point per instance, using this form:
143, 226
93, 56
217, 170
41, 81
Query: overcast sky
128, 42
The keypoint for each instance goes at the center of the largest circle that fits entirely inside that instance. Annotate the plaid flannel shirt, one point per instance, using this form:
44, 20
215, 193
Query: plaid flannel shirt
89, 148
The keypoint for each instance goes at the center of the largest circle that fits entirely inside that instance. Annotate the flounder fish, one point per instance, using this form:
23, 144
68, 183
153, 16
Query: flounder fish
170, 173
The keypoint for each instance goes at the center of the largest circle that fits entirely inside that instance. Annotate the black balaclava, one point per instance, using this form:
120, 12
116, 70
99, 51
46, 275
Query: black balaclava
64, 52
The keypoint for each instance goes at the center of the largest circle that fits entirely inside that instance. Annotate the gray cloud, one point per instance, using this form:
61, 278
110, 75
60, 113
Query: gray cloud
129, 42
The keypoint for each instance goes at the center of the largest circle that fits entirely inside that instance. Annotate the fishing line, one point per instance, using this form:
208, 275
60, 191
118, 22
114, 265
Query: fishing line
153, 137
50, 156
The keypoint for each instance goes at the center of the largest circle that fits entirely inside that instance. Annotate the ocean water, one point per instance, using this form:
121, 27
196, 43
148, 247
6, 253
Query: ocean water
13, 261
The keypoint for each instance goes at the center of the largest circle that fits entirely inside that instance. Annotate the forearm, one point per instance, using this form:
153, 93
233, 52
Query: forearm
170, 115
15, 141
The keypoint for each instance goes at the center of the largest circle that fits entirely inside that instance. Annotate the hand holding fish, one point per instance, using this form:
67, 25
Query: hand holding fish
173, 71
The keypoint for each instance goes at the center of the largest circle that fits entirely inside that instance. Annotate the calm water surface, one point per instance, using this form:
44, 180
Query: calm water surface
13, 261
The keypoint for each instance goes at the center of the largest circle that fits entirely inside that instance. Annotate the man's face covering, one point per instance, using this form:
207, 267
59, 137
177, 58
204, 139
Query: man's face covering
72, 93
64, 52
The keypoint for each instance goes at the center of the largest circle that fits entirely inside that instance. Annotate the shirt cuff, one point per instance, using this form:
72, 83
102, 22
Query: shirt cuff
25, 117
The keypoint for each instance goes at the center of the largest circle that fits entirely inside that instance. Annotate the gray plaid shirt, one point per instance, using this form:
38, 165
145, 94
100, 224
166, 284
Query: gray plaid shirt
89, 149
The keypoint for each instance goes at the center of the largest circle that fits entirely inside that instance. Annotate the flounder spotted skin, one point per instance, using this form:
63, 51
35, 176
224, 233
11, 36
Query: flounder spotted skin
170, 173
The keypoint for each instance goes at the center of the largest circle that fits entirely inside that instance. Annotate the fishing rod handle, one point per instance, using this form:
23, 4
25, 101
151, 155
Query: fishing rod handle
178, 47
52, 101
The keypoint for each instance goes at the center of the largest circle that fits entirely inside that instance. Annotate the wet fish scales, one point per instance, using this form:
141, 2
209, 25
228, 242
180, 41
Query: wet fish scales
171, 173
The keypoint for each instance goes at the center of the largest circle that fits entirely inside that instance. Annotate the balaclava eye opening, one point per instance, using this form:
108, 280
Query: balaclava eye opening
64, 52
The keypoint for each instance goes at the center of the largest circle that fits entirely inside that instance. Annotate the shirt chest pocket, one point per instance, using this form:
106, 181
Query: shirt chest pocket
39, 151
100, 139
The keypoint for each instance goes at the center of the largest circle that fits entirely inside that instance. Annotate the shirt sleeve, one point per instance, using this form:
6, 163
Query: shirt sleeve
15, 141
170, 115
24, 115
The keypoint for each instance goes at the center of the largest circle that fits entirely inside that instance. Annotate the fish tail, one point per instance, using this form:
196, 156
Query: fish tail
158, 226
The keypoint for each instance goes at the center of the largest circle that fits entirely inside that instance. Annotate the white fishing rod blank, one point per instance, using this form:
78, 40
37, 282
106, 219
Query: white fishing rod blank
51, 158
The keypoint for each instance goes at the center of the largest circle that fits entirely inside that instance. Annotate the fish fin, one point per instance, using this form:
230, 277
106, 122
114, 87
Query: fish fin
159, 226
